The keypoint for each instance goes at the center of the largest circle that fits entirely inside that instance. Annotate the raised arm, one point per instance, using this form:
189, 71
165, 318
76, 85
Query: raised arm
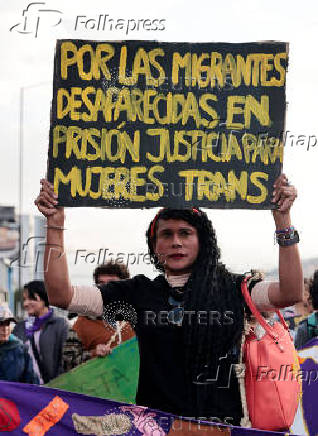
289, 289
56, 276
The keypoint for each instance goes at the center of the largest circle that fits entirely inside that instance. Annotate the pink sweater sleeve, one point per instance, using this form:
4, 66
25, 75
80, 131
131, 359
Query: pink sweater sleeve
87, 300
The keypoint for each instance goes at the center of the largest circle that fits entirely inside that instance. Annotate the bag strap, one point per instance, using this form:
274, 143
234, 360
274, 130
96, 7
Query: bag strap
39, 360
256, 312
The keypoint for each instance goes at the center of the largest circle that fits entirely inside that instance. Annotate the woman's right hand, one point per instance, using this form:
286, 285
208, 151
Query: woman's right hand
46, 202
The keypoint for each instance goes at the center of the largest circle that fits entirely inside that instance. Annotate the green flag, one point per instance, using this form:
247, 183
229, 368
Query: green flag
114, 376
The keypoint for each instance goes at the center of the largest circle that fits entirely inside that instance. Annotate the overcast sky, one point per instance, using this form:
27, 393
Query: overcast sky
245, 237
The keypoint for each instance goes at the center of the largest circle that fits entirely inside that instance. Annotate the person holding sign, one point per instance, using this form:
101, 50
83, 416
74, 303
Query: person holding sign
190, 318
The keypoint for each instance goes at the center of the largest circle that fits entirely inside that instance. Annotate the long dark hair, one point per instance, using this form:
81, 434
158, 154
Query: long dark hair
210, 288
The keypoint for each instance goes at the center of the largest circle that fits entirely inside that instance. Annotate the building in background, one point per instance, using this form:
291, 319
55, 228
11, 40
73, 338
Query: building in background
9, 249
22, 240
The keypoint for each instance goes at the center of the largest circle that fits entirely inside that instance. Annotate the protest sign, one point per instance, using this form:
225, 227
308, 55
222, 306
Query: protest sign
143, 124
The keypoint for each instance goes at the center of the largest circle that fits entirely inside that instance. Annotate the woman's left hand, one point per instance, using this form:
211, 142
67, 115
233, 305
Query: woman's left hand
284, 195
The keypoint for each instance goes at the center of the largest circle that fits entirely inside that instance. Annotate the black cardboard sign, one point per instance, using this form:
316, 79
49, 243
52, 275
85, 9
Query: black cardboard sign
145, 124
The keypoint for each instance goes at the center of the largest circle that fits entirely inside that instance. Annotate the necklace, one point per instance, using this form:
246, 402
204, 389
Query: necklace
177, 293
176, 313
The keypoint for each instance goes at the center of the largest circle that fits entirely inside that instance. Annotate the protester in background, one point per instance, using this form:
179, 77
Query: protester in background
304, 308
42, 331
88, 337
91, 331
294, 315
308, 328
15, 361
74, 353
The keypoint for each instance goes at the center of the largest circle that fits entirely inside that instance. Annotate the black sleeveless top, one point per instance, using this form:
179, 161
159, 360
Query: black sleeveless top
162, 380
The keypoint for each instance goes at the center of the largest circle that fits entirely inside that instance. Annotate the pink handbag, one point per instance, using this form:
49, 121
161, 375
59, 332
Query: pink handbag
271, 367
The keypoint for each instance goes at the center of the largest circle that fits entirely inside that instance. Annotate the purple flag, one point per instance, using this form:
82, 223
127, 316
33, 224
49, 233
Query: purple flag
306, 420
35, 411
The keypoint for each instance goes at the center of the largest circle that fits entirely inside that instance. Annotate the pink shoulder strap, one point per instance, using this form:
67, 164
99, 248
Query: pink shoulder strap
256, 312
